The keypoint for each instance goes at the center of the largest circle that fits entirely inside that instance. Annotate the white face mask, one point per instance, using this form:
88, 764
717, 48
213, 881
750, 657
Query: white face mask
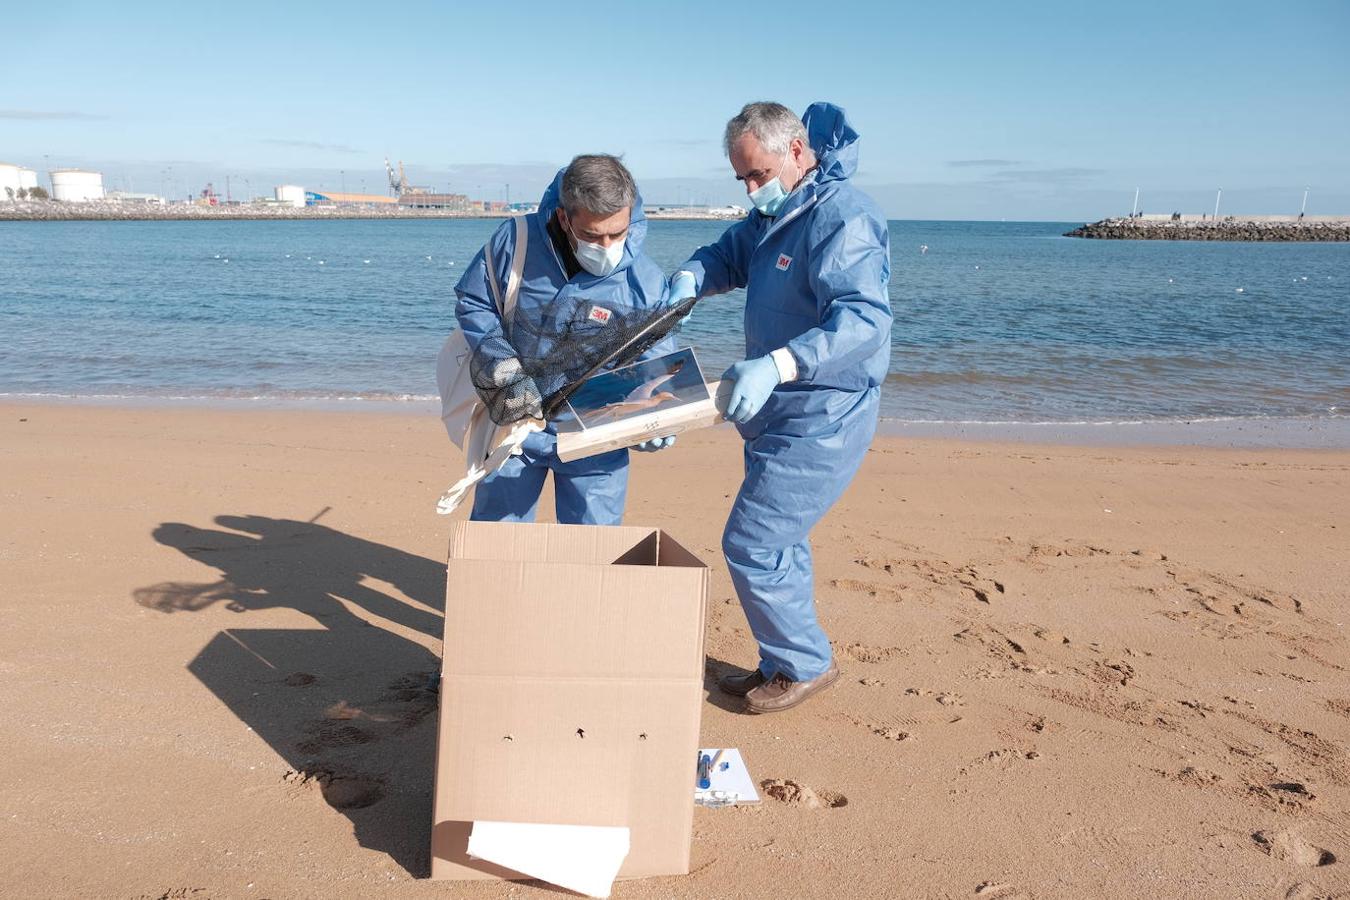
597, 260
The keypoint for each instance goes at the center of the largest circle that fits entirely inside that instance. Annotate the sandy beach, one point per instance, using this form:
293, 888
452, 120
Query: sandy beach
1068, 671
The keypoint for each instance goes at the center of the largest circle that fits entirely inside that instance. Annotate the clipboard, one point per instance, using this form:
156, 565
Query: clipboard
730, 787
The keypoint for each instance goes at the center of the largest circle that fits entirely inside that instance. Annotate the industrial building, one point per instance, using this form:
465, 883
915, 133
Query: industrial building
76, 185
289, 194
297, 196
133, 197
14, 179
336, 198
427, 200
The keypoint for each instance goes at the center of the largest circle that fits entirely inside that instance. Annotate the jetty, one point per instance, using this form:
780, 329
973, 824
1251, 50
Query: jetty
1178, 227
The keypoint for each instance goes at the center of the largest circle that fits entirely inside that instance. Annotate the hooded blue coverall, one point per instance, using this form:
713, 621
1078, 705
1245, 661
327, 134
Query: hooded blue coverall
816, 279
587, 491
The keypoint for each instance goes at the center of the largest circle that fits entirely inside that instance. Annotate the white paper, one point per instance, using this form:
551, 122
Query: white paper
734, 784
582, 858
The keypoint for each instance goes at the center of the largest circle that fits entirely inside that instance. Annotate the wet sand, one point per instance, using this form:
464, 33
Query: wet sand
1068, 671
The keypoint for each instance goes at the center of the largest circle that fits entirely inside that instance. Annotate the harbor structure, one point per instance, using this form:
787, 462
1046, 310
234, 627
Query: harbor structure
15, 181
1178, 227
76, 185
289, 195
133, 197
340, 198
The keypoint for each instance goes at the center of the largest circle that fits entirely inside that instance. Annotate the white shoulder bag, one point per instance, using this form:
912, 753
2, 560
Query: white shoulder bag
458, 396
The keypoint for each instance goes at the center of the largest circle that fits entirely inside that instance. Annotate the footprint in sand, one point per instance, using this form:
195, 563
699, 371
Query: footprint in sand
352, 792
794, 793
878, 591
1289, 847
1003, 758
866, 654
342, 734
1197, 777
407, 701
891, 733
1285, 796
340, 791
1050, 551
998, 890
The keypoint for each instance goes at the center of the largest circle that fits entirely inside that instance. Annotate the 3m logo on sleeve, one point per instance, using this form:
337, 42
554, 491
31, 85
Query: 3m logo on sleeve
783, 262
600, 315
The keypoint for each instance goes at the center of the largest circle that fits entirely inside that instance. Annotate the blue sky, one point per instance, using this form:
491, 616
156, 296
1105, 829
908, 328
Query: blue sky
967, 110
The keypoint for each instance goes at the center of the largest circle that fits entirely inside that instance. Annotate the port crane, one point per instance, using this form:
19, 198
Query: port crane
397, 183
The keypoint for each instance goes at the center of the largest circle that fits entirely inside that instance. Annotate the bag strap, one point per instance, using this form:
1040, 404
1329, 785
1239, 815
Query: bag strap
506, 307
517, 267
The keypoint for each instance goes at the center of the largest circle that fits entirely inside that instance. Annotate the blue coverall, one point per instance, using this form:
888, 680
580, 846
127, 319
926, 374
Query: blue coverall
816, 279
588, 491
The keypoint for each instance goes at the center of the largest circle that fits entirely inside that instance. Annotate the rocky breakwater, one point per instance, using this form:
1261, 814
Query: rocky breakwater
1226, 229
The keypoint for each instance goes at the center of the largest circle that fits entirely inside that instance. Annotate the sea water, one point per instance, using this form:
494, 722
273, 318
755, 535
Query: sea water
994, 322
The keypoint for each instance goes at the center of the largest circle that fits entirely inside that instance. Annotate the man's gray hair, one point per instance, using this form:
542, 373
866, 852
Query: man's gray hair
598, 184
773, 124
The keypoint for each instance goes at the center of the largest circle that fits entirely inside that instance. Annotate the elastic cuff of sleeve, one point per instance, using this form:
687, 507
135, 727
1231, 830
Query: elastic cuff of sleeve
786, 364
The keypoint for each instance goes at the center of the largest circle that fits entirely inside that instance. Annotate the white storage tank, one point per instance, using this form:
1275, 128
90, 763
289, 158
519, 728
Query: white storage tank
290, 194
9, 181
76, 185
27, 179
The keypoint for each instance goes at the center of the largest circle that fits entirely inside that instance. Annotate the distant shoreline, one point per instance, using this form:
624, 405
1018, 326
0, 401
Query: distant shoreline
1228, 228
96, 211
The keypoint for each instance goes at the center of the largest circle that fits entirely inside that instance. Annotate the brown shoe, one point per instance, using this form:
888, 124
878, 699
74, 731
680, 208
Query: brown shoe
740, 685
778, 693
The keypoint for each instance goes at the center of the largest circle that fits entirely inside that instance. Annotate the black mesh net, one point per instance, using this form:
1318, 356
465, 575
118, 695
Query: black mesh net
547, 358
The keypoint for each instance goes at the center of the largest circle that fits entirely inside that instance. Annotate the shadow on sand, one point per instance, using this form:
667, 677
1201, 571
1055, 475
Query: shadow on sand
349, 705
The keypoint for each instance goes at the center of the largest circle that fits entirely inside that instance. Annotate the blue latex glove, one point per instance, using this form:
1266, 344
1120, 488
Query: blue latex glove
745, 388
653, 444
682, 287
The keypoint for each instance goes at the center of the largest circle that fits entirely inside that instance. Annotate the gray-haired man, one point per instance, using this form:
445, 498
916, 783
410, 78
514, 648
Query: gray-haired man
814, 259
583, 263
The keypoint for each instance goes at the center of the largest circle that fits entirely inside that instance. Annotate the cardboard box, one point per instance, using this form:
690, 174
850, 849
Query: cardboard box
571, 689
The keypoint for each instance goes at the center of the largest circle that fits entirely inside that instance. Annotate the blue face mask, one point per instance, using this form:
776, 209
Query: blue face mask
769, 197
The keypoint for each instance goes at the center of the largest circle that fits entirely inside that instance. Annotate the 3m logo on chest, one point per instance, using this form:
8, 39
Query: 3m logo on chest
783, 262
599, 314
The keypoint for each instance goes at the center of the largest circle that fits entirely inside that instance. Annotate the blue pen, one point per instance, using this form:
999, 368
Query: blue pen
704, 765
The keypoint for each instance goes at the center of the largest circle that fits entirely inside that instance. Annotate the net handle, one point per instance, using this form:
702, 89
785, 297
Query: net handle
657, 328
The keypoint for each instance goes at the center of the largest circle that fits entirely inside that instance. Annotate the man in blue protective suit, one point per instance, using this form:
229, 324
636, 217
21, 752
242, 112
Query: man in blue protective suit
814, 258
583, 265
